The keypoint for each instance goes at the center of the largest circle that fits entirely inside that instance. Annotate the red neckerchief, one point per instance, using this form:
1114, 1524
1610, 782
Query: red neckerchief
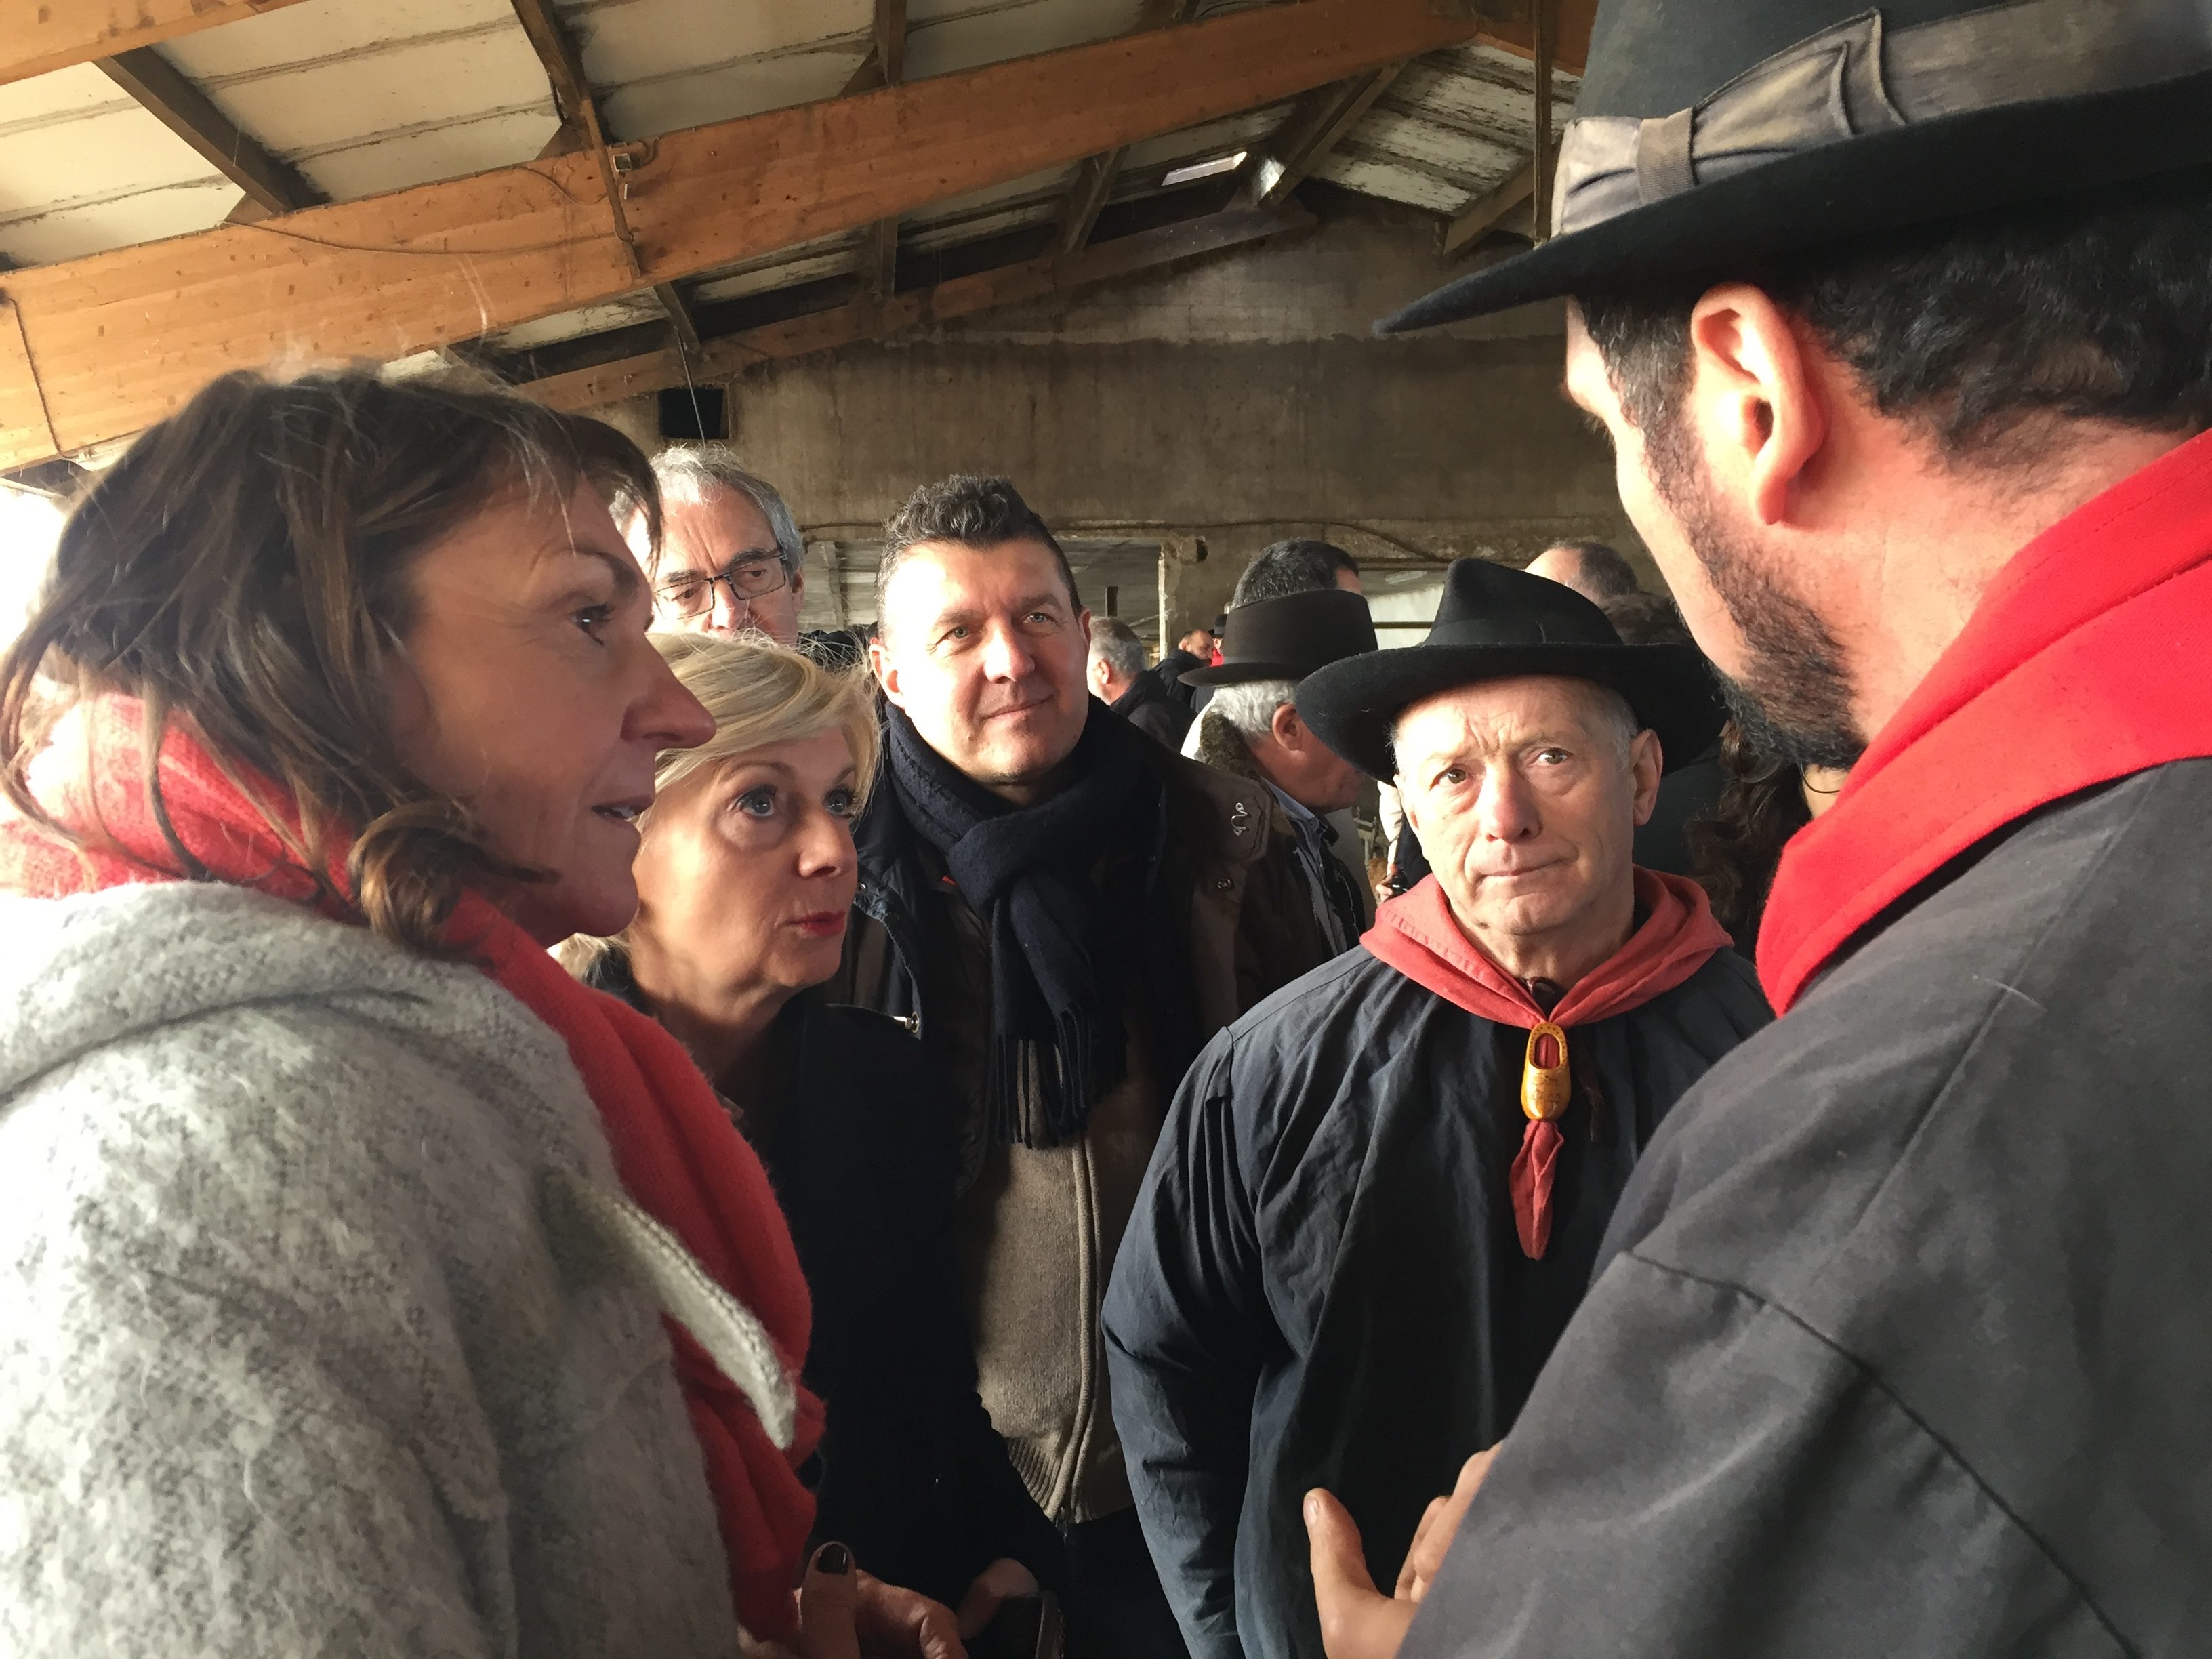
674, 1146
1416, 935
2083, 663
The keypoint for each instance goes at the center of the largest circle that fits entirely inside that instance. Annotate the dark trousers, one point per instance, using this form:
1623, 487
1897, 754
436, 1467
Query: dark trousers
1115, 1608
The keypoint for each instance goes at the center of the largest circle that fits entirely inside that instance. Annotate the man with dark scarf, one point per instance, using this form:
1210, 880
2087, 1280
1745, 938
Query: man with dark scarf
1064, 912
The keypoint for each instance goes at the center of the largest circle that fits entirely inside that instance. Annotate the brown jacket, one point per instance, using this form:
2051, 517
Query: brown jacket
1036, 1229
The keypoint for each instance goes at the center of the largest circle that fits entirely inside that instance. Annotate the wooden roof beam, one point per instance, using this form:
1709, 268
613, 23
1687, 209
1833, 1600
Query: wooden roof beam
1086, 199
959, 297
879, 263
112, 342
1324, 121
165, 92
1489, 213
1094, 179
579, 111
36, 36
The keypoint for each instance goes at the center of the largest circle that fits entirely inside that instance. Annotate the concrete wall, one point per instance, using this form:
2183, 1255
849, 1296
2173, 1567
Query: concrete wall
1213, 410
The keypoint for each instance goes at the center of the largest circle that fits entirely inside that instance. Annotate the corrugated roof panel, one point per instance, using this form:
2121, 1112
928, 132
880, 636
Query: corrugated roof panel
945, 36
50, 235
661, 66
1489, 104
1473, 163
1392, 181
83, 168
767, 278
317, 29
361, 116
1477, 60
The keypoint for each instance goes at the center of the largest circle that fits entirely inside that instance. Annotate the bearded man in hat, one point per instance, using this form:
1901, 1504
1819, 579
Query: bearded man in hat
1901, 321
1379, 1194
1252, 729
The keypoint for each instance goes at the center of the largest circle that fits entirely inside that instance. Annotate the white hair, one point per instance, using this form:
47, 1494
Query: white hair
1606, 715
1250, 708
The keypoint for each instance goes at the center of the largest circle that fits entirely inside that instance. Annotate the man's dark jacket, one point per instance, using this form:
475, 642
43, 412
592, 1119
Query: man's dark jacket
1210, 913
1167, 673
1903, 1345
1323, 1285
1148, 706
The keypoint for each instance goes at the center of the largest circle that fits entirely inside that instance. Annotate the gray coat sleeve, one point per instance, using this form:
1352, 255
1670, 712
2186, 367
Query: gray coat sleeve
1185, 1322
219, 1352
1700, 1473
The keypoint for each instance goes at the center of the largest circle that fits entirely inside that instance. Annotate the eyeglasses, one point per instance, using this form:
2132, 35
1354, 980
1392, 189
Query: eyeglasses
748, 579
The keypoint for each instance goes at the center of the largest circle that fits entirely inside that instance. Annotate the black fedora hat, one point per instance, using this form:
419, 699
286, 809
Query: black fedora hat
1716, 133
1288, 638
1495, 623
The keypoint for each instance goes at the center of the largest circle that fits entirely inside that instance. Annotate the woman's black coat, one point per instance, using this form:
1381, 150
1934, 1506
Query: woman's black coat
853, 1124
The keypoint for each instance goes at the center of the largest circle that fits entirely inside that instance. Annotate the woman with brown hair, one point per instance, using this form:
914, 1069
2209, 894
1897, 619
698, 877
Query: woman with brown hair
343, 1236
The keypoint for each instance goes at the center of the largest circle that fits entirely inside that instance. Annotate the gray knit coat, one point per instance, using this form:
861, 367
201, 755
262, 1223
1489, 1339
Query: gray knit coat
325, 1327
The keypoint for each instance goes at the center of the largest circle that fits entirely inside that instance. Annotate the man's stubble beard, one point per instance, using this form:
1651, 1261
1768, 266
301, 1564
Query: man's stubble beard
1794, 699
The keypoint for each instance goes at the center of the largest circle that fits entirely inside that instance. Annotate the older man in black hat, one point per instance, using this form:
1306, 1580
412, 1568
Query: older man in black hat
1379, 1194
1901, 1343
1252, 728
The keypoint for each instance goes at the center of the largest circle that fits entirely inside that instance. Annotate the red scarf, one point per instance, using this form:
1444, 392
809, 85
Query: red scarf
1416, 935
674, 1146
2083, 663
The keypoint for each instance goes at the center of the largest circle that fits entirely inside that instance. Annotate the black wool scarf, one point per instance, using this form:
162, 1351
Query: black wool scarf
1058, 1039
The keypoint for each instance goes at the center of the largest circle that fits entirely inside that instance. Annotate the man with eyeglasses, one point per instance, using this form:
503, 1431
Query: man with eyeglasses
731, 559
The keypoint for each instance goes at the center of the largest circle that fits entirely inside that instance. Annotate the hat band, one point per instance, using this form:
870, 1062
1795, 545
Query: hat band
1858, 77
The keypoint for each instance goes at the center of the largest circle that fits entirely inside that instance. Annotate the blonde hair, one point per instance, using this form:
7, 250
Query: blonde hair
759, 693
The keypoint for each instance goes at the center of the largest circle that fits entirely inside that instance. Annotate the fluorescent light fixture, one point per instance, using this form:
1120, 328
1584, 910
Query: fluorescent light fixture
1184, 175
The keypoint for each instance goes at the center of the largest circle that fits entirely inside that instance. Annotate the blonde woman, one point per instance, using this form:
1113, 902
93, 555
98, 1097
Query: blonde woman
746, 871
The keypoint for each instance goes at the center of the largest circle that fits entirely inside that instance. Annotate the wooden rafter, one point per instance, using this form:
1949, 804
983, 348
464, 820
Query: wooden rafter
1542, 160
879, 265
1322, 122
1086, 200
1484, 215
679, 314
579, 111
118, 339
36, 36
170, 96
1094, 179
959, 297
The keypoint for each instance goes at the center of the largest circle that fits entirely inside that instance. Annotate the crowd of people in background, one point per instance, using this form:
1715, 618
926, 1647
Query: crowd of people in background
547, 1108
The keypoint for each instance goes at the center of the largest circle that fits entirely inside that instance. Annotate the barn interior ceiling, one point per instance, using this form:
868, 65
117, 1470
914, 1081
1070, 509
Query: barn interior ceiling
591, 198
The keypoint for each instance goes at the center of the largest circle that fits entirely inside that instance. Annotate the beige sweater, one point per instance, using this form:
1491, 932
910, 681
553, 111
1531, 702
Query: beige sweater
327, 1330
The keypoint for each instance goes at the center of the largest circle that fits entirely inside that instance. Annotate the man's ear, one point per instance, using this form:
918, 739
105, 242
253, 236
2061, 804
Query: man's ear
1646, 760
882, 665
1409, 802
796, 578
1288, 730
1759, 410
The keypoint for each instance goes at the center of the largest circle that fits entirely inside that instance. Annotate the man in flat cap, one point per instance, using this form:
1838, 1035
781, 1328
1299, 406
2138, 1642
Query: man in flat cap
1900, 320
1379, 1194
